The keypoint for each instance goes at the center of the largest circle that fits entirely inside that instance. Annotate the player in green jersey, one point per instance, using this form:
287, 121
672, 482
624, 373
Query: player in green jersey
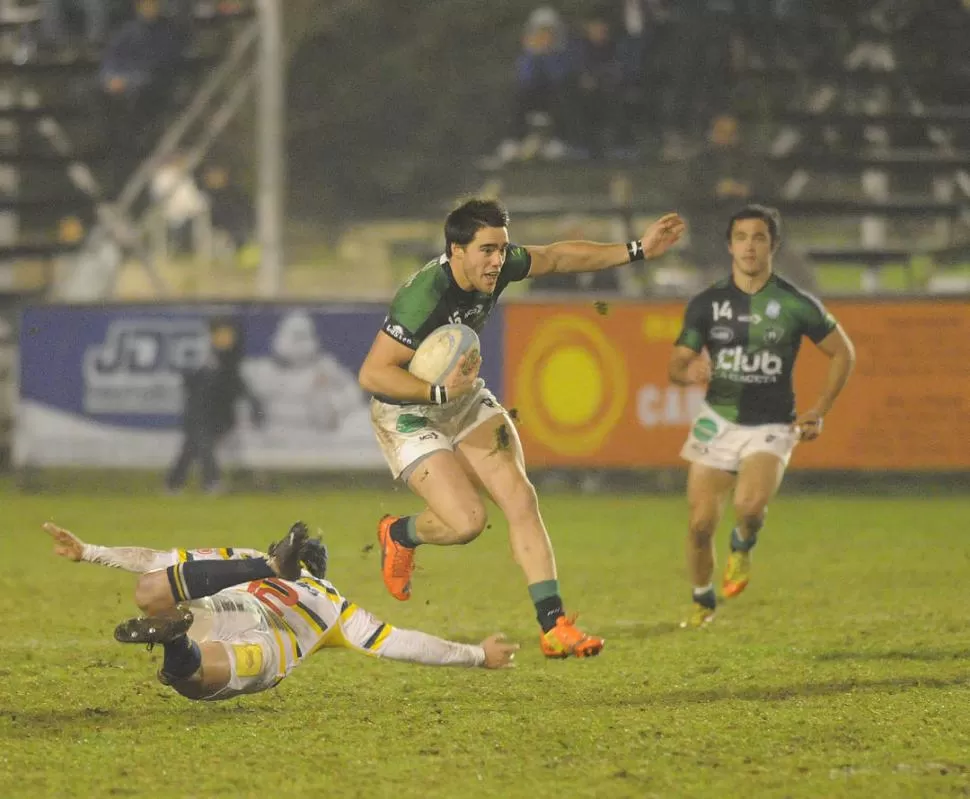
447, 442
741, 337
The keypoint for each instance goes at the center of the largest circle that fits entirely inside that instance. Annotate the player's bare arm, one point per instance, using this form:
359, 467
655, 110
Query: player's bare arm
590, 256
414, 646
138, 560
384, 372
66, 544
689, 368
499, 653
838, 347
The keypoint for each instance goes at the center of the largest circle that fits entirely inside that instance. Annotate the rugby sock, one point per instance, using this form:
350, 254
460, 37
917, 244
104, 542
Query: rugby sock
704, 595
182, 658
545, 596
739, 544
404, 532
199, 578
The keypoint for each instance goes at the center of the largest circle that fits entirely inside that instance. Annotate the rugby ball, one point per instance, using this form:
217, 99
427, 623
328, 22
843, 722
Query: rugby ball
437, 355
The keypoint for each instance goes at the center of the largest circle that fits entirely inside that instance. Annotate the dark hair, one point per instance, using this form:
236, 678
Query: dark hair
468, 218
769, 216
313, 556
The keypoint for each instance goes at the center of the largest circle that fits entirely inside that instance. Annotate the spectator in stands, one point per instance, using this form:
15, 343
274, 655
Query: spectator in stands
137, 72
181, 10
696, 55
211, 394
54, 26
141, 51
762, 27
642, 27
230, 206
603, 123
544, 95
182, 203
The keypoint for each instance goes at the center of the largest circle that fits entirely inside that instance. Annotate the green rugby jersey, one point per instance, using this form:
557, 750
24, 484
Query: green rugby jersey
753, 340
431, 298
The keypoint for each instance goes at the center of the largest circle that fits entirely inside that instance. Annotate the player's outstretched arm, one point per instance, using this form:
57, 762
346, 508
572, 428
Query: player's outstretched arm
135, 559
363, 632
415, 646
132, 559
66, 544
590, 256
499, 653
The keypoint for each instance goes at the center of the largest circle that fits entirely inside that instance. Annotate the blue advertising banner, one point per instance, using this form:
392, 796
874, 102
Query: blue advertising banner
102, 386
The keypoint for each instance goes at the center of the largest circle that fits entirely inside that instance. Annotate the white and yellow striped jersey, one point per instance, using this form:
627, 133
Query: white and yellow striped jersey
280, 622
312, 614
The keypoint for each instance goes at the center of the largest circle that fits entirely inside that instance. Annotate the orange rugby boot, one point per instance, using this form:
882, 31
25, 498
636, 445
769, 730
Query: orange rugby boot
397, 562
567, 640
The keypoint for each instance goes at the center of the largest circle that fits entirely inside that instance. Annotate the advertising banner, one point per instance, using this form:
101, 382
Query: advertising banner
590, 386
102, 386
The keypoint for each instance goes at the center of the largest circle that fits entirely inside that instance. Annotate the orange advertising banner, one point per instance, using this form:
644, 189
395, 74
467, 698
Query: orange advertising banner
590, 386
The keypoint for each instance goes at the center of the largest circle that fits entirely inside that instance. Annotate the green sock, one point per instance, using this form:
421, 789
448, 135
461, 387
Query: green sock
543, 590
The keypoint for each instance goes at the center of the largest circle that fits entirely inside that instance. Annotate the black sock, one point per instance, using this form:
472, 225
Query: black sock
402, 532
739, 544
548, 611
705, 597
182, 658
199, 578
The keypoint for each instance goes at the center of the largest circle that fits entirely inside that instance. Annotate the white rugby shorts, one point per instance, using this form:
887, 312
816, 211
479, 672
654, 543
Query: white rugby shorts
714, 441
407, 434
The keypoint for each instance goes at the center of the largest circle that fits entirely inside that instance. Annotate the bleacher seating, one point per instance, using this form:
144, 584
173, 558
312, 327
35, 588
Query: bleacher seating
869, 162
55, 162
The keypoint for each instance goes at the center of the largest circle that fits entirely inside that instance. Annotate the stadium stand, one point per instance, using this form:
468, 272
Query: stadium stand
858, 135
73, 206
68, 187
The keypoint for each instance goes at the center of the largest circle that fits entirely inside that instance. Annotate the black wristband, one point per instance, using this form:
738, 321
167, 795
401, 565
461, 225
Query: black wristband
439, 394
635, 250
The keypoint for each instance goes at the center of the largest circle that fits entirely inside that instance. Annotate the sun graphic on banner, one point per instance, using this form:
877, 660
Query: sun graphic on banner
571, 385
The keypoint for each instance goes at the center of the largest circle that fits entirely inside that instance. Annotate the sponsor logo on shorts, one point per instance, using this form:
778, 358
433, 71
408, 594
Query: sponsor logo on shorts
411, 423
722, 334
704, 429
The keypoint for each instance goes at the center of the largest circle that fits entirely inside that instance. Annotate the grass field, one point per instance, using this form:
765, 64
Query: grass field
844, 670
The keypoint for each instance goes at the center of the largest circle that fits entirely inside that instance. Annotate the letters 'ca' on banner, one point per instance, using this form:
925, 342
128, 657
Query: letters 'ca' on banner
590, 387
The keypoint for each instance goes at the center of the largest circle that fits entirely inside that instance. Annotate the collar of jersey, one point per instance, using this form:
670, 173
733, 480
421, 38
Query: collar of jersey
768, 282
